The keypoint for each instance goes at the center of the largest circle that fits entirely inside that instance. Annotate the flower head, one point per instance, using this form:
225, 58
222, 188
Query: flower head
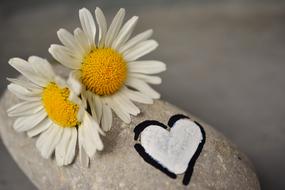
51, 109
107, 67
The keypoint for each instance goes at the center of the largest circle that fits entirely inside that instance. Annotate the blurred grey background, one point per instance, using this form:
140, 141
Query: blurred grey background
226, 65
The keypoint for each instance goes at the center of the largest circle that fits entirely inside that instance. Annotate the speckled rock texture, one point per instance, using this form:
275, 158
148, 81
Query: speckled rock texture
220, 165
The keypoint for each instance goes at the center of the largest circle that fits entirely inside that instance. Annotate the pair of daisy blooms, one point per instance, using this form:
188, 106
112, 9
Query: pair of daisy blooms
105, 77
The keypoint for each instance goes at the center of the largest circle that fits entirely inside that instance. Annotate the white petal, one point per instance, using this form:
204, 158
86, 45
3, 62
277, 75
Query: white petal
91, 101
28, 122
94, 124
143, 88
48, 140
23, 93
118, 110
74, 83
42, 67
125, 32
107, 118
74, 98
68, 40
42, 138
87, 142
24, 83
80, 113
88, 25
146, 78
42, 126
77, 100
135, 40
28, 71
89, 134
101, 111
25, 108
140, 50
62, 55
98, 106
71, 147
83, 98
137, 96
22, 89
82, 40
146, 67
126, 104
102, 24
114, 27
84, 159
95, 105
60, 82
93, 131
60, 150
122, 111
65, 150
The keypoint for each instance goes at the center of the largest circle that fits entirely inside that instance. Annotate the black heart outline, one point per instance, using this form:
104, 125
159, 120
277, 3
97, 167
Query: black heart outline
173, 119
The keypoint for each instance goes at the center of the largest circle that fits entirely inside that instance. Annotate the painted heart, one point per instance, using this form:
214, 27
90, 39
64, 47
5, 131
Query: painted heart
173, 149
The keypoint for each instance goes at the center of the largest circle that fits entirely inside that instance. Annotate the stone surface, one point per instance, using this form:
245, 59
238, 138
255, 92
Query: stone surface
220, 166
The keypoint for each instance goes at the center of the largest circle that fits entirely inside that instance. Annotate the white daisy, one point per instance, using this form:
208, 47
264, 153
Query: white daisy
107, 67
54, 111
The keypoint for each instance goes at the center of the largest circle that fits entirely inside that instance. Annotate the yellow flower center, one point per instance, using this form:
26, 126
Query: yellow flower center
104, 71
59, 108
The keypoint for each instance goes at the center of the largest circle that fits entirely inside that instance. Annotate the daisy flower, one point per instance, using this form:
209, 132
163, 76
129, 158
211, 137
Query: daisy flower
52, 110
107, 65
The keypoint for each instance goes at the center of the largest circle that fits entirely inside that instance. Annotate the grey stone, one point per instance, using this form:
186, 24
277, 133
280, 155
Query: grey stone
220, 165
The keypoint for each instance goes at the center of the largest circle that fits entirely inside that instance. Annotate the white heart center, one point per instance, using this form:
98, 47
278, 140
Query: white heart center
172, 149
